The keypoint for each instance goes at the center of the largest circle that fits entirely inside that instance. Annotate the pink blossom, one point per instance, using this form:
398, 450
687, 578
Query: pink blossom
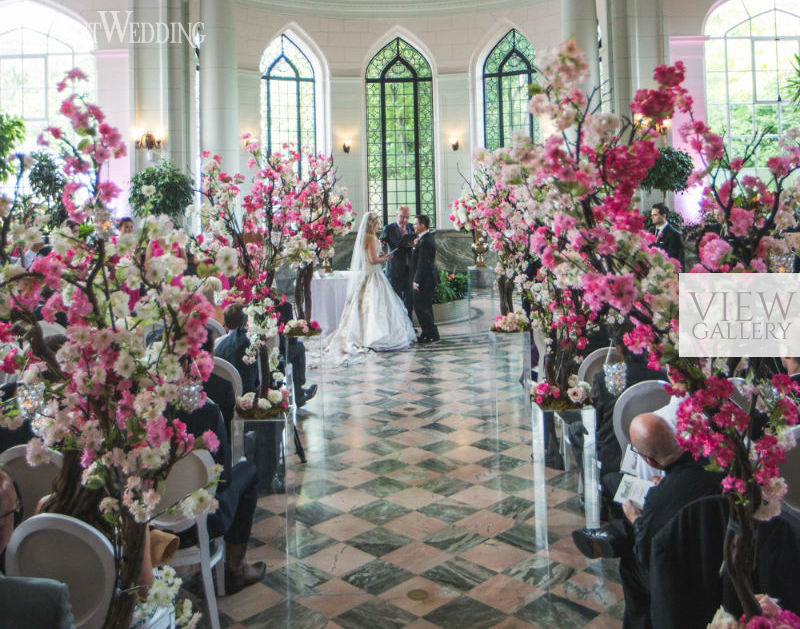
210, 441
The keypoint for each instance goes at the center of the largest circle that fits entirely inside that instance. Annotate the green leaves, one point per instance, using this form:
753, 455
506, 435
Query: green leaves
12, 133
670, 172
173, 192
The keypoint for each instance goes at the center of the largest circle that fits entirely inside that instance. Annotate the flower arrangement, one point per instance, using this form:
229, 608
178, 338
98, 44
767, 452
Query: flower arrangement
772, 617
299, 327
106, 399
516, 321
251, 407
583, 225
577, 395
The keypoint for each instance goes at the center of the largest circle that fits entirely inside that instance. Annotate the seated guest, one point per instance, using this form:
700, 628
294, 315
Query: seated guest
294, 353
236, 494
209, 289
233, 346
219, 390
629, 539
125, 225
27, 601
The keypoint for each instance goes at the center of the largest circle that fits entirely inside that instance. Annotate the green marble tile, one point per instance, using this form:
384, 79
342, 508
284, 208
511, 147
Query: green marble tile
380, 512
287, 614
514, 507
315, 512
384, 466
379, 541
438, 464
524, 536
373, 614
465, 612
458, 573
382, 486
384, 447
550, 610
301, 580
445, 485
447, 510
454, 540
377, 576
440, 447
538, 571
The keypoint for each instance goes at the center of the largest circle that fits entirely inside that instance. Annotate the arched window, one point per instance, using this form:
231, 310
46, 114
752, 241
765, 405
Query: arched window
289, 102
507, 72
748, 56
38, 46
400, 131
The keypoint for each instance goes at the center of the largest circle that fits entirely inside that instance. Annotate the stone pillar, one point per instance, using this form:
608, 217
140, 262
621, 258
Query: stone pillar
180, 67
219, 95
579, 21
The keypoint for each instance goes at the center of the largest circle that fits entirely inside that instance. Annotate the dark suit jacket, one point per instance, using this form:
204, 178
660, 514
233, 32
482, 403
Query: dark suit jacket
220, 391
671, 242
209, 417
32, 602
232, 348
423, 262
398, 266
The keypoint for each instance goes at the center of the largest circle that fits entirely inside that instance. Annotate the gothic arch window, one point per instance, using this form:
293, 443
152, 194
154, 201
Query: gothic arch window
38, 46
400, 164
749, 51
289, 96
507, 72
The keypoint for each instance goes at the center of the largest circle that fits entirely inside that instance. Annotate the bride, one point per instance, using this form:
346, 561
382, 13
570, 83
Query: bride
374, 317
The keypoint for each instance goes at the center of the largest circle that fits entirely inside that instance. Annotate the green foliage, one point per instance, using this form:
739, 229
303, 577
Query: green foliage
172, 192
12, 133
452, 287
47, 183
670, 172
794, 81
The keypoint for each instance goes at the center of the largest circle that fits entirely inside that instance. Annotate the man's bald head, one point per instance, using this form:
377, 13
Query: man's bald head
8, 500
653, 438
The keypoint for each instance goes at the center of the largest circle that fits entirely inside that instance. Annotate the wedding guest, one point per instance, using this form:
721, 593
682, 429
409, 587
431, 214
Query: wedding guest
125, 225
210, 287
667, 237
27, 601
219, 389
423, 262
629, 538
233, 346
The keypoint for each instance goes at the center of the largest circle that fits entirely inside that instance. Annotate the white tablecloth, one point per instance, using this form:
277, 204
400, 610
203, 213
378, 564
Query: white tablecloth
328, 294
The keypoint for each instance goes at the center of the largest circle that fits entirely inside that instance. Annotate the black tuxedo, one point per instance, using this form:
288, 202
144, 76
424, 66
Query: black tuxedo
669, 239
398, 268
423, 262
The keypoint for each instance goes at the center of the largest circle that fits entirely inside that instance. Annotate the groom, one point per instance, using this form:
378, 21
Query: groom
400, 236
423, 257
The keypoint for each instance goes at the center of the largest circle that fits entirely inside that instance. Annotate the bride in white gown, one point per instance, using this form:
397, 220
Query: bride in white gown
374, 317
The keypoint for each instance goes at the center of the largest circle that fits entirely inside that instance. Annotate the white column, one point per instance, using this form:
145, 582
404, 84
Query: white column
579, 22
219, 101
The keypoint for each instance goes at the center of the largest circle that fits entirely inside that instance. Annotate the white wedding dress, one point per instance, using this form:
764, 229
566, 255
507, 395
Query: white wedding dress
373, 318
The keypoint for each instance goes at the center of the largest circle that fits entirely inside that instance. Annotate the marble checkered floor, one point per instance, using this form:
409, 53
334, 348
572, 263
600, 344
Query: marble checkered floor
416, 506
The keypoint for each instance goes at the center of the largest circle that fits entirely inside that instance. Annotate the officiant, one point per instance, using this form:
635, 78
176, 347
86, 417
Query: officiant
399, 237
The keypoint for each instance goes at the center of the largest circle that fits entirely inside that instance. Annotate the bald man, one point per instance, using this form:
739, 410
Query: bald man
24, 601
685, 480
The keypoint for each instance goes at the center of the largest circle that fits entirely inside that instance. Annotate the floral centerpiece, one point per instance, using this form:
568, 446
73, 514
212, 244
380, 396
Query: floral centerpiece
299, 327
773, 617
578, 395
274, 403
592, 240
105, 399
516, 321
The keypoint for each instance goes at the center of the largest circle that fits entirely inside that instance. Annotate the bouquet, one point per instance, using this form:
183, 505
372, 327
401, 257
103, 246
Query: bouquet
577, 395
249, 406
773, 617
299, 327
516, 321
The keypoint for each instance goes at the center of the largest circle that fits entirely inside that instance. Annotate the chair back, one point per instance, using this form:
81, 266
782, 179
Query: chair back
541, 347
790, 470
60, 547
33, 482
188, 474
593, 363
643, 397
218, 329
225, 370
51, 329
737, 398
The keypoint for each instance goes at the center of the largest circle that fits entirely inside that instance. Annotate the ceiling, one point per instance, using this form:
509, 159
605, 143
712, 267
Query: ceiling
361, 9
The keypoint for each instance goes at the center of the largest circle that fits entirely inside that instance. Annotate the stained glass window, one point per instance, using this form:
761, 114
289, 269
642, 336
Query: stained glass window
507, 72
748, 57
288, 97
38, 46
400, 131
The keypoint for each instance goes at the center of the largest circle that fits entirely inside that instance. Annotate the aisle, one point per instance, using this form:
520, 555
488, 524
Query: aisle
416, 506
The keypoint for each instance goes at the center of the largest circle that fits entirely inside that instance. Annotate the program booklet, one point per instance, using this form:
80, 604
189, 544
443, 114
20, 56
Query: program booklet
633, 489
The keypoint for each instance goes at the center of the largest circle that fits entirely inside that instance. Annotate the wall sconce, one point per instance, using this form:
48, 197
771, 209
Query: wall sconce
346, 146
454, 143
149, 142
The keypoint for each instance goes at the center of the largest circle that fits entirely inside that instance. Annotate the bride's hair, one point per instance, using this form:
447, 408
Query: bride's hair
373, 221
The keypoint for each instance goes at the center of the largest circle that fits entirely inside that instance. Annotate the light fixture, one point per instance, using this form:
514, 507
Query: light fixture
148, 142
346, 146
454, 143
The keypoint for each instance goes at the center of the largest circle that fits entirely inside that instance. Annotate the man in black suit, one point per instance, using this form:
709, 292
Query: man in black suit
218, 389
399, 236
423, 261
667, 237
293, 352
234, 345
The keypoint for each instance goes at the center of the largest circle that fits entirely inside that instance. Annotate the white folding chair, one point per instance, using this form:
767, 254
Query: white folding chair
51, 329
642, 397
60, 547
218, 329
225, 370
593, 363
188, 474
790, 470
33, 482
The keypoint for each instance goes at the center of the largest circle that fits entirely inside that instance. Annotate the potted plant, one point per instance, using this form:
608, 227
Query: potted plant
161, 189
450, 297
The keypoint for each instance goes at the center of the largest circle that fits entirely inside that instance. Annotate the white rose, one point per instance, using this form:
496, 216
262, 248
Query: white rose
148, 191
275, 397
